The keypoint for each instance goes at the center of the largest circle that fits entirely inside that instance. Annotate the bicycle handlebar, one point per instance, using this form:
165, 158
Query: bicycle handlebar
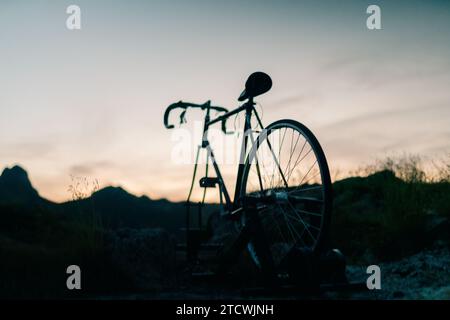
167, 112
185, 105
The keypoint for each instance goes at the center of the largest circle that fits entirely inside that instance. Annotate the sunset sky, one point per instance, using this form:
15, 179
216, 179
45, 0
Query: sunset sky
90, 102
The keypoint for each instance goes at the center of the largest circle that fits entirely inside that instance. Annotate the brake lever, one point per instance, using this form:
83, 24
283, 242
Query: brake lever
183, 117
224, 127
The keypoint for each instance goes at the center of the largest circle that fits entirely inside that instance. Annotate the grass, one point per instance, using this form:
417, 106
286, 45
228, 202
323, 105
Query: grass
36, 247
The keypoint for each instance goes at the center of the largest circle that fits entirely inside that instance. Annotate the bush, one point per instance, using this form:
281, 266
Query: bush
37, 246
385, 214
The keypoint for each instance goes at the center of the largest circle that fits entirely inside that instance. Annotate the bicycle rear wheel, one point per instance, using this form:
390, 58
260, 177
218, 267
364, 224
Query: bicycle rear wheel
286, 176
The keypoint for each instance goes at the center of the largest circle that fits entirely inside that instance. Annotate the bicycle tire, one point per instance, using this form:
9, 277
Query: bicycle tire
326, 189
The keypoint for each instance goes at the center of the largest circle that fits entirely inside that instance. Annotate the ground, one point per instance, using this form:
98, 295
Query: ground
425, 275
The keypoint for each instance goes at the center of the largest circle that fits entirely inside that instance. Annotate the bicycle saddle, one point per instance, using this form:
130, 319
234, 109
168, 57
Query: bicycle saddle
257, 83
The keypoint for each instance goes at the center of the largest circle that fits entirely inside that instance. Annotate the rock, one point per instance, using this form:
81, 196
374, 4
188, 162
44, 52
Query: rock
437, 229
146, 256
220, 229
332, 267
403, 270
442, 293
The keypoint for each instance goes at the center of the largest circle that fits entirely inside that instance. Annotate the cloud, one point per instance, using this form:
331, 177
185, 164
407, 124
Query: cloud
423, 130
88, 169
405, 113
26, 150
340, 63
373, 72
289, 100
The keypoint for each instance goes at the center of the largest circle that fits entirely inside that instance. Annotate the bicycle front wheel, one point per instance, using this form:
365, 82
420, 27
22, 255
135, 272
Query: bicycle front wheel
287, 165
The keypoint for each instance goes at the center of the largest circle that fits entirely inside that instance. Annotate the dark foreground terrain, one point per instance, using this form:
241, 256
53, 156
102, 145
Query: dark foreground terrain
394, 217
425, 275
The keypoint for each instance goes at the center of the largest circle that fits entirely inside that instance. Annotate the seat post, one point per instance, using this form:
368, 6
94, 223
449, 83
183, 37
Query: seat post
247, 126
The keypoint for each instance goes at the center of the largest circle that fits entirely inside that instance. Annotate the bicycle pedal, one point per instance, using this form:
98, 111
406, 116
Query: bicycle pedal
208, 182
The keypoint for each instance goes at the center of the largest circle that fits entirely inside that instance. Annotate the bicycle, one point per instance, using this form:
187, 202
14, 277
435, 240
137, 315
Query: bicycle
279, 203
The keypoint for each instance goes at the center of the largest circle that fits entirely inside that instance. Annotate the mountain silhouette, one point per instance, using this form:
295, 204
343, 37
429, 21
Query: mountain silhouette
15, 187
118, 209
113, 206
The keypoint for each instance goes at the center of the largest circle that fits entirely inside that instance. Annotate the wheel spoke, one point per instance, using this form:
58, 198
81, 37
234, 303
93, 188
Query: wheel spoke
291, 154
305, 224
292, 186
297, 160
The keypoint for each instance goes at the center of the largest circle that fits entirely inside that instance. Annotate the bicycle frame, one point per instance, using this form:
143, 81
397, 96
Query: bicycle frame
249, 109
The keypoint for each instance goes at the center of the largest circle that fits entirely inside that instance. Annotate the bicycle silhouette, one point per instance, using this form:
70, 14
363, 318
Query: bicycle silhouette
282, 198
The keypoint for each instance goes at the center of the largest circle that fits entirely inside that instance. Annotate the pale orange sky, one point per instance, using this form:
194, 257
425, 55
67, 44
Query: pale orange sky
90, 102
